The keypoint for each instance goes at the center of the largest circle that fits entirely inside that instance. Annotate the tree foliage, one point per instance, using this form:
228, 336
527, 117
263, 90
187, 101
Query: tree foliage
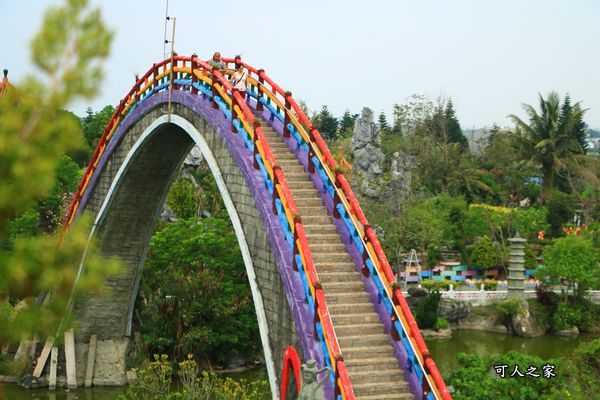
35, 134
326, 123
573, 258
195, 296
484, 254
550, 139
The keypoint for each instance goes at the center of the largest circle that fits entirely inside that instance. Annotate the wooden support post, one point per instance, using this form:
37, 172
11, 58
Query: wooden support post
41, 361
53, 368
36, 340
70, 360
91, 360
23, 350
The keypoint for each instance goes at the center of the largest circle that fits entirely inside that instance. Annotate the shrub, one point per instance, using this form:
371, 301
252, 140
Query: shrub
575, 259
490, 285
565, 317
561, 208
441, 323
589, 353
156, 382
530, 258
509, 307
427, 310
484, 254
431, 285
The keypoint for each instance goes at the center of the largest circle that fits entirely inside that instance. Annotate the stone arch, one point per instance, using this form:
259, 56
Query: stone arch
125, 200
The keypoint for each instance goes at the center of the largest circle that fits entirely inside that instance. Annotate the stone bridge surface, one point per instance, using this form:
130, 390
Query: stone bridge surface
126, 200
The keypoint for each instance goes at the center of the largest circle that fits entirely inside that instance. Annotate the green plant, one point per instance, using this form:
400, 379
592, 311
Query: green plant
490, 285
156, 383
431, 284
197, 298
561, 208
589, 352
509, 307
530, 258
427, 310
575, 259
484, 254
183, 199
565, 317
440, 323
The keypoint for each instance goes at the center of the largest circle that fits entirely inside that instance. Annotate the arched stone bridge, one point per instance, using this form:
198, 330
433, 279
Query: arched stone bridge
319, 278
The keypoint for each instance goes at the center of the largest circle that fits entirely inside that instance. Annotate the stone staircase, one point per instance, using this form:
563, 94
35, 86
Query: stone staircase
373, 368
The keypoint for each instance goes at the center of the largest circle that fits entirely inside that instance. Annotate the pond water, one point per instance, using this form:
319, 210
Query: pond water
444, 353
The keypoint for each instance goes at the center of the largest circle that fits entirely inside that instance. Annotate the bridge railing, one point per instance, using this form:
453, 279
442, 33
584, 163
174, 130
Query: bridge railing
190, 73
346, 206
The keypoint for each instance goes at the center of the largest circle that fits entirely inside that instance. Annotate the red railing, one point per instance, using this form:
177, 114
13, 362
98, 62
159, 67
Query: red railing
290, 359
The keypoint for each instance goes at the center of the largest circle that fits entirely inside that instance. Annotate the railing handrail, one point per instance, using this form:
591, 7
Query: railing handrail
276, 175
355, 209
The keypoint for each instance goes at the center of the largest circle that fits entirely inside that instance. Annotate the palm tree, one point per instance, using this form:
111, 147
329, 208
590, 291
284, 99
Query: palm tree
550, 139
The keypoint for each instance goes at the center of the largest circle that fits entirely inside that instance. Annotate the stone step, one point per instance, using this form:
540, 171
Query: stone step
392, 375
344, 267
313, 228
347, 297
375, 363
299, 185
398, 389
316, 201
310, 219
304, 193
357, 329
325, 256
315, 210
327, 246
372, 339
322, 237
354, 286
355, 318
336, 276
368, 352
277, 148
303, 176
348, 308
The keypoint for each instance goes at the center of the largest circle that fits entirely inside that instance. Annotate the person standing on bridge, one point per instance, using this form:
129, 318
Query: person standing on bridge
216, 62
238, 80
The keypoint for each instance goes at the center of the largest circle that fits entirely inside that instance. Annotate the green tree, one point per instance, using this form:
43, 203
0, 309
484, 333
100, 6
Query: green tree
579, 126
183, 199
35, 134
575, 378
549, 140
455, 134
195, 296
327, 124
383, 124
95, 123
347, 123
484, 253
575, 259
561, 209
53, 208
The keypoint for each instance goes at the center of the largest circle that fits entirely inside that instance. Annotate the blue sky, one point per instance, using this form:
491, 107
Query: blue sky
488, 56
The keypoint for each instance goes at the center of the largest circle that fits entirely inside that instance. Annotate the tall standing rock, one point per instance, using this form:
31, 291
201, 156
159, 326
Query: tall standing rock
368, 157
